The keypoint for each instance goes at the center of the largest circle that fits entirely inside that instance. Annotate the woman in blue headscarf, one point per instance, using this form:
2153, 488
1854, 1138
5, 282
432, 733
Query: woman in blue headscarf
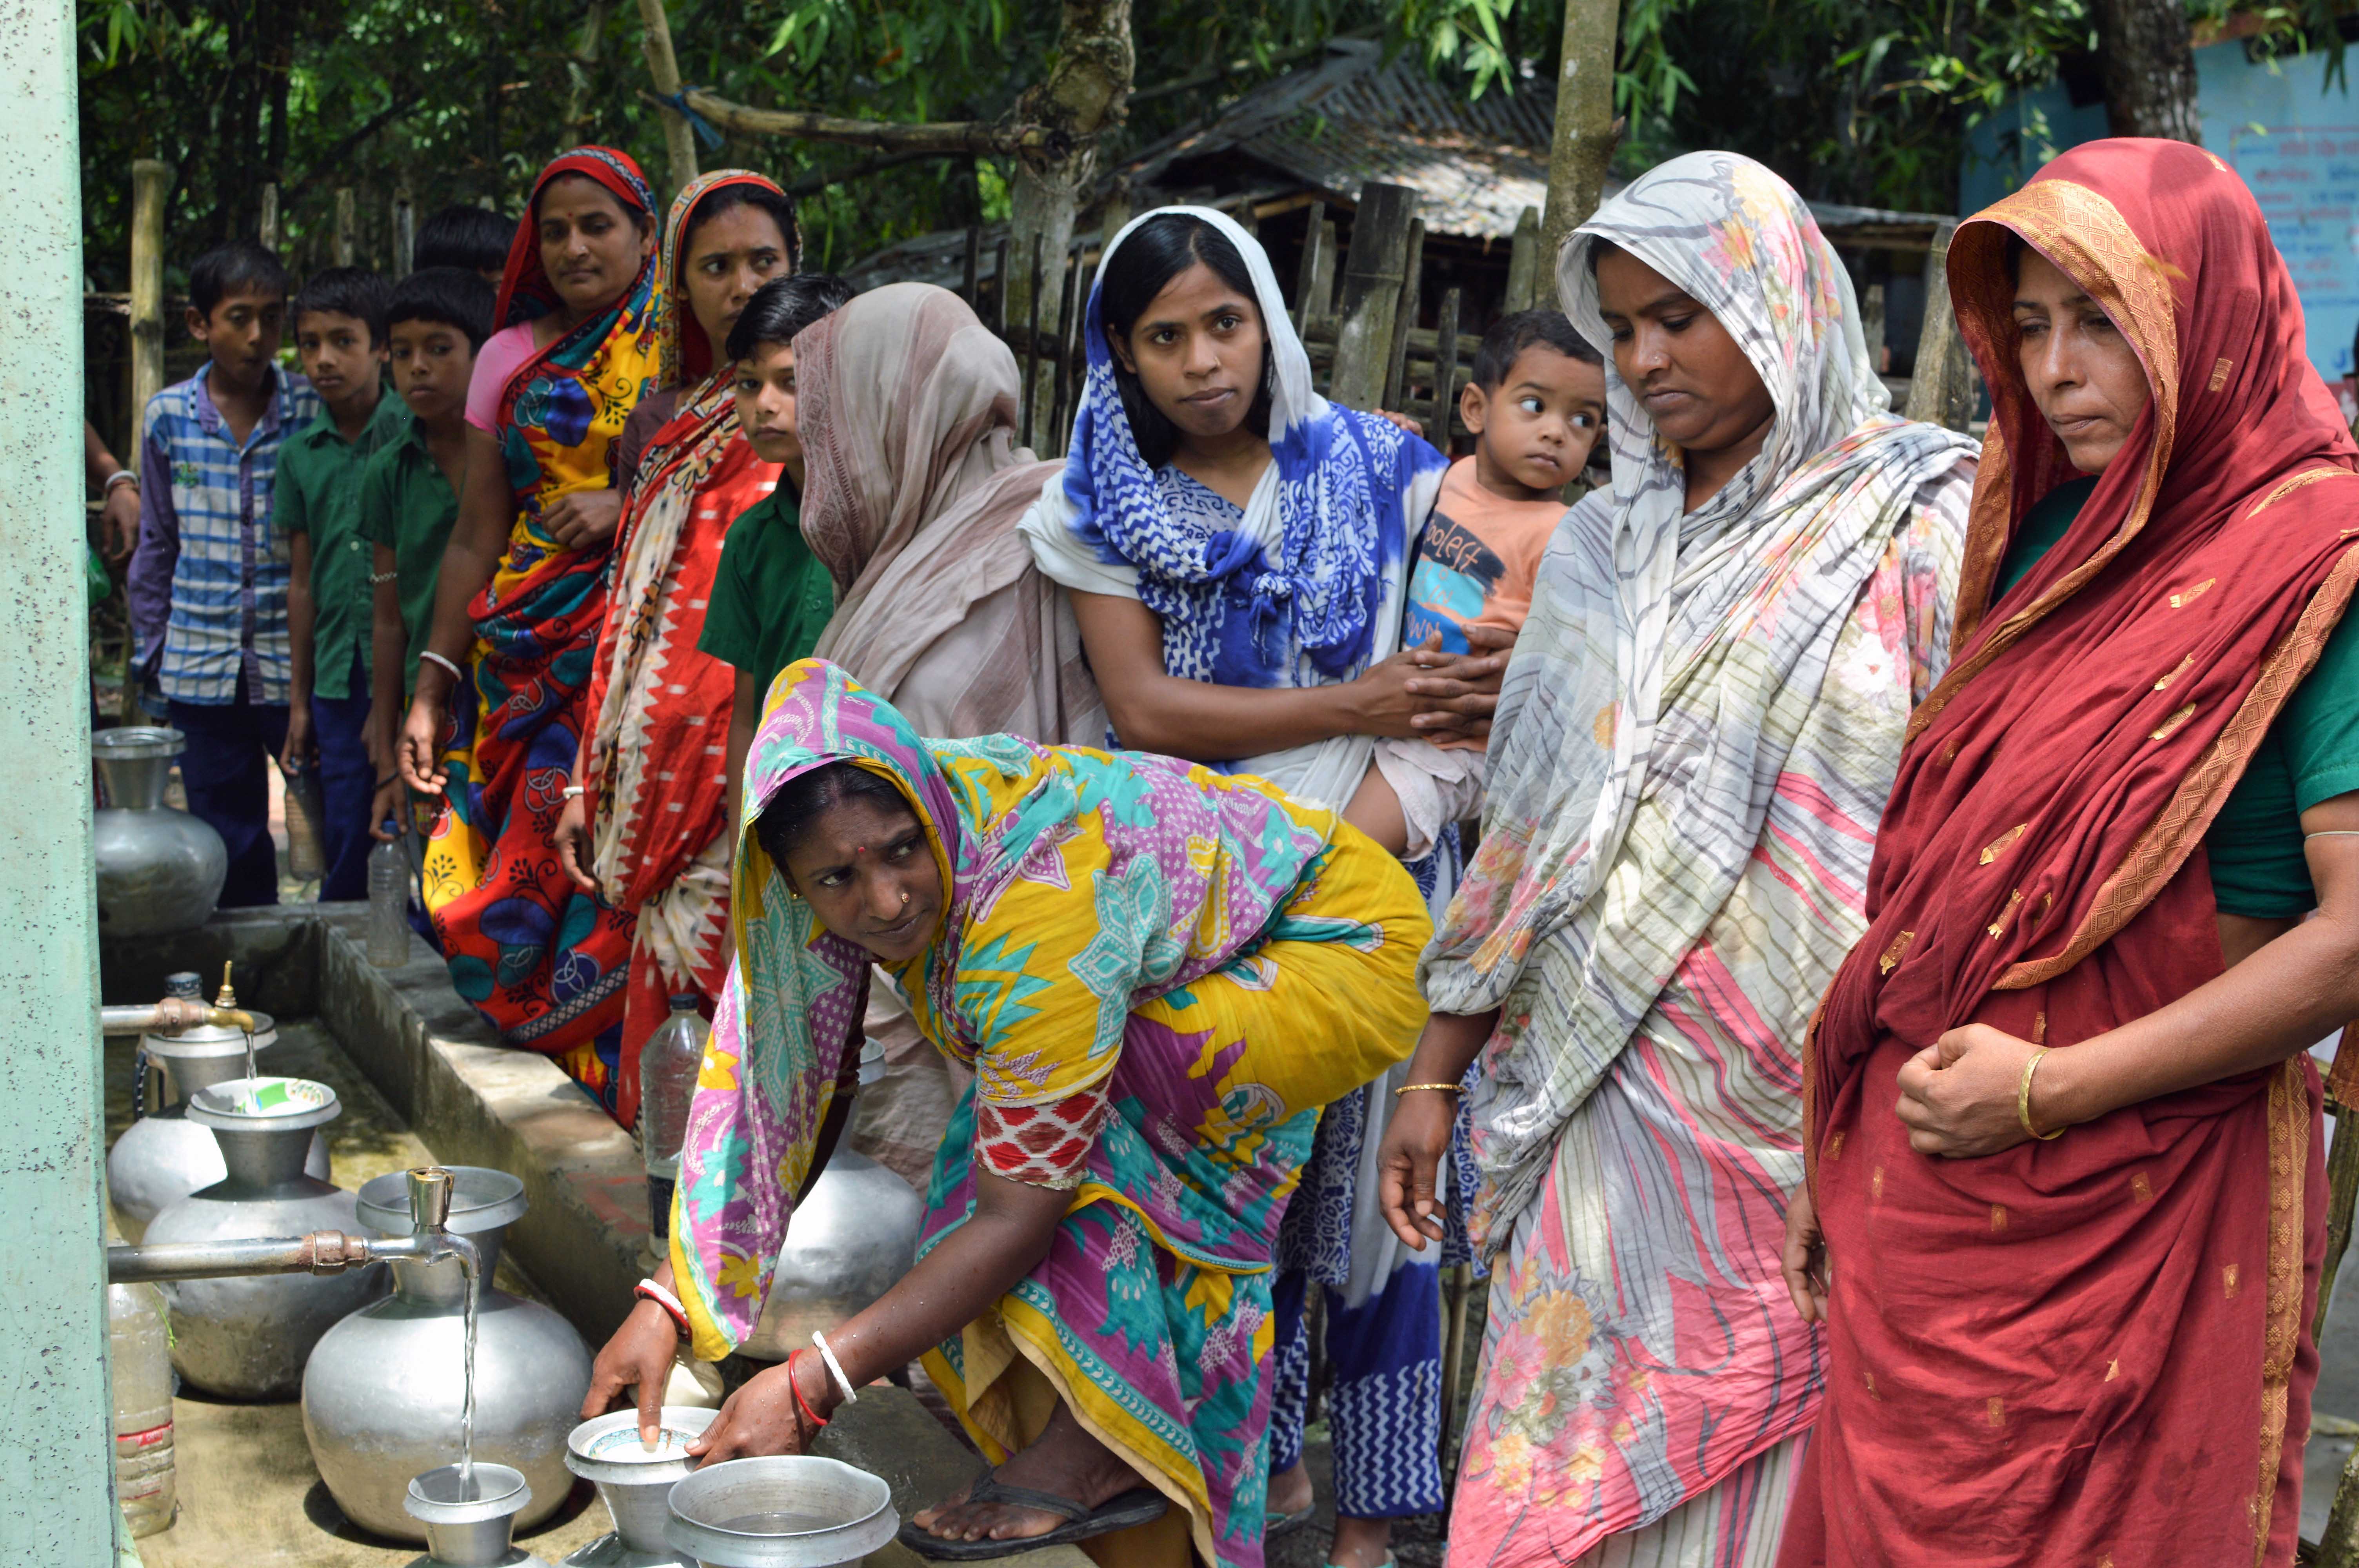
1238, 548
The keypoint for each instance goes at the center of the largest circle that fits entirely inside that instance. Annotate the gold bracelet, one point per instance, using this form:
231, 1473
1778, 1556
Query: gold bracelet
2023, 1099
1445, 1088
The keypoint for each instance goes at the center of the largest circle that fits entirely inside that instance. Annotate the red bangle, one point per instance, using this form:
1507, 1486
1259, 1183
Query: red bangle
648, 1291
796, 1389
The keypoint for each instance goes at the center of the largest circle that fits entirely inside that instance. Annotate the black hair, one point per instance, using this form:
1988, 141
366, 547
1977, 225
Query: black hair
354, 291
454, 295
729, 197
475, 238
1157, 251
783, 307
238, 266
796, 806
1510, 335
2015, 246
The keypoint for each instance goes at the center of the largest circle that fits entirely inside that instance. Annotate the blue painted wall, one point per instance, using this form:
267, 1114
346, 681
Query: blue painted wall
2293, 139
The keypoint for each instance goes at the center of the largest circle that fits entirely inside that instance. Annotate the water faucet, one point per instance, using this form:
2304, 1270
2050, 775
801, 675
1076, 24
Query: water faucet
175, 1013
321, 1253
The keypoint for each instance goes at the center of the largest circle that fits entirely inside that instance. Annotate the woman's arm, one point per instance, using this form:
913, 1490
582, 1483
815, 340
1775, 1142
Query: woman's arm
1958, 1096
974, 1265
388, 651
1153, 711
1411, 1156
478, 539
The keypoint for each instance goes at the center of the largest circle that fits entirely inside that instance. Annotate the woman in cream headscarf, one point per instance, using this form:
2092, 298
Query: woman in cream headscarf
1692, 749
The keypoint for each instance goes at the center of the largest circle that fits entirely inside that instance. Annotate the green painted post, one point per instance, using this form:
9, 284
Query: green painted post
57, 1468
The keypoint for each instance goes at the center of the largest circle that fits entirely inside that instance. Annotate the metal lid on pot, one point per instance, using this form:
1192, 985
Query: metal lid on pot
264, 1104
481, 1199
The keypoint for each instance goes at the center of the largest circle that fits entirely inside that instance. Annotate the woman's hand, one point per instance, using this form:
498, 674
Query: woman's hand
1384, 701
1409, 1162
640, 1353
584, 517
1806, 1257
418, 752
1461, 691
764, 1416
572, 842
1957, 1094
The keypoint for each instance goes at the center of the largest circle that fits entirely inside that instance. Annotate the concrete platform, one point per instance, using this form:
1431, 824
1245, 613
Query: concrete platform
421, 1077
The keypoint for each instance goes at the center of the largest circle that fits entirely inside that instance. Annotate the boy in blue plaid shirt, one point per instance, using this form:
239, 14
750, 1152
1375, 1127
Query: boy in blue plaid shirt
208, 582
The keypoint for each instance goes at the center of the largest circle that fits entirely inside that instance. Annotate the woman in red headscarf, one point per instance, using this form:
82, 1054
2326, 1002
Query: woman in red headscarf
647, 830
2063, 1128
518, 612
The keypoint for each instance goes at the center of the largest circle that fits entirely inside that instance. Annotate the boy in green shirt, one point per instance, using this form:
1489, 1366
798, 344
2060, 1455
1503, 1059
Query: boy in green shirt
339, 318
409, 491
771, 598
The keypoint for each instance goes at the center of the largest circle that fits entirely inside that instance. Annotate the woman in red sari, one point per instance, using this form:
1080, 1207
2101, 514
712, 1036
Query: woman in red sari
646, 831
2063, 1129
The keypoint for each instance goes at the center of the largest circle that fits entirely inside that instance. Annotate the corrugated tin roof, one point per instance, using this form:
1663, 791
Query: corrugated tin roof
1352, 118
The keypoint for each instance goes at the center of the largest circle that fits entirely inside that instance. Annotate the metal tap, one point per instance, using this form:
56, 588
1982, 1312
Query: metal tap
321, 1253
175, 1013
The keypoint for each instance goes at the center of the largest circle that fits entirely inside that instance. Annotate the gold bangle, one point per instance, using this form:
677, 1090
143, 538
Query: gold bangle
2023, 1099
1445, 1088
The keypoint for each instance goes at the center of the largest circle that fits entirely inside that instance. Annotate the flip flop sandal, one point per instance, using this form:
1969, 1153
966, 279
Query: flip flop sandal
1286, 1524
1137, 1507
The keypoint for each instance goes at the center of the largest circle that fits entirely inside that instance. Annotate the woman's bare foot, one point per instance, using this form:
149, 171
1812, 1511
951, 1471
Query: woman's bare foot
1361, 1542
1064, 1462
1290, 1491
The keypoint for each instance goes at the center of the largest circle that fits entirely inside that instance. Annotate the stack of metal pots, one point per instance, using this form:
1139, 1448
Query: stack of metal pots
382, 1395
163, 1156
248, 1338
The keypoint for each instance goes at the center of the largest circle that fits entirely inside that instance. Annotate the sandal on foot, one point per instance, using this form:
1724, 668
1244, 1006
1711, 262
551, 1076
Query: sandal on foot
1139, 1506
1286, 1524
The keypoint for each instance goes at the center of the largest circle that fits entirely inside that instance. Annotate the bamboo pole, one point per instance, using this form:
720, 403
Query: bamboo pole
1068, 320
1941, 386
680, 140
1405, 318
999, 287
268, 230
973, 259
1445, 371
1373, 277
347, 226
1032, 347
1524, 262
405, 234
1306, 277
151, 181
883, 136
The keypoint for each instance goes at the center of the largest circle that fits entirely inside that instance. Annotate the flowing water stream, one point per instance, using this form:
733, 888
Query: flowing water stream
470, 1264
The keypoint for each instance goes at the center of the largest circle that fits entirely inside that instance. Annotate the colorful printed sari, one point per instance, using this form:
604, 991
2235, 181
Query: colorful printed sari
543, 962
1694, 741
655, 780
1134, 953
2094, 1349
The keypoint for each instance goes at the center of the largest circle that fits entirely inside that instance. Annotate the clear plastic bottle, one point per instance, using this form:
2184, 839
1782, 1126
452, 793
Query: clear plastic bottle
139, 1347
389, 888
668, 1068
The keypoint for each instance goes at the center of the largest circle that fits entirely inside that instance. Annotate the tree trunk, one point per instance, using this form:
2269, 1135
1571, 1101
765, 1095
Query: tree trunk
1583, 144
1088, 90
2147, 55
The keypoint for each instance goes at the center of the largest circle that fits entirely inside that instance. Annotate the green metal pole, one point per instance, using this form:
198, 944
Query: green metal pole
57, 1467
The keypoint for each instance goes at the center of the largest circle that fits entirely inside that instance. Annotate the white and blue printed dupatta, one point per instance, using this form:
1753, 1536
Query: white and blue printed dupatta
1306, 589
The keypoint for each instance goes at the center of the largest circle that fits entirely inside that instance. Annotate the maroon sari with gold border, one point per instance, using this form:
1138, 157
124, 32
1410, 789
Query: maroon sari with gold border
2093, 1350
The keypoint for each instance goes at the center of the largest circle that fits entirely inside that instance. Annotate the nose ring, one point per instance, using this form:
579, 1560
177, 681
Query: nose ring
904, 900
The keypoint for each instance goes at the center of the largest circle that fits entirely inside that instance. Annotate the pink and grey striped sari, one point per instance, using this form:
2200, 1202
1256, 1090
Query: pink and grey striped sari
1694, 744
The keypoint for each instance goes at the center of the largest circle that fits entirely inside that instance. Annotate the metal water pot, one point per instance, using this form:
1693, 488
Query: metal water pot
163, 1156
382, 1394
248, 1338
848, 1242
159, 869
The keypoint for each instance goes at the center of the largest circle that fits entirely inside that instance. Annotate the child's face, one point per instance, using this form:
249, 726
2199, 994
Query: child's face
1533, 432
1197, 349
242, 333
431, 363
340, 362
766, 405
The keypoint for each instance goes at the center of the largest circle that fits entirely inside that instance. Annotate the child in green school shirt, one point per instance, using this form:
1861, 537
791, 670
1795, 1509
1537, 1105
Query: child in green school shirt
771, 598
339, 319
409, 491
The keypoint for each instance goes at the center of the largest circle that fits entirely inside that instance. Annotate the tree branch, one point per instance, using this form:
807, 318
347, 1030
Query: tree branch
885, 136
333, 159
812, 184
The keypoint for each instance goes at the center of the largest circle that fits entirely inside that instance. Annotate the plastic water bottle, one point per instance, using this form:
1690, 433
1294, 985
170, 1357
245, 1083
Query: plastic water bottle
388, 885
140, 1350
669, 1062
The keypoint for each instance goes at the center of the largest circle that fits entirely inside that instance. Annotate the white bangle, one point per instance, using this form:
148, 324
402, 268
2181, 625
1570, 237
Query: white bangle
120, 476
573, 792
851, 1394
456, 673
